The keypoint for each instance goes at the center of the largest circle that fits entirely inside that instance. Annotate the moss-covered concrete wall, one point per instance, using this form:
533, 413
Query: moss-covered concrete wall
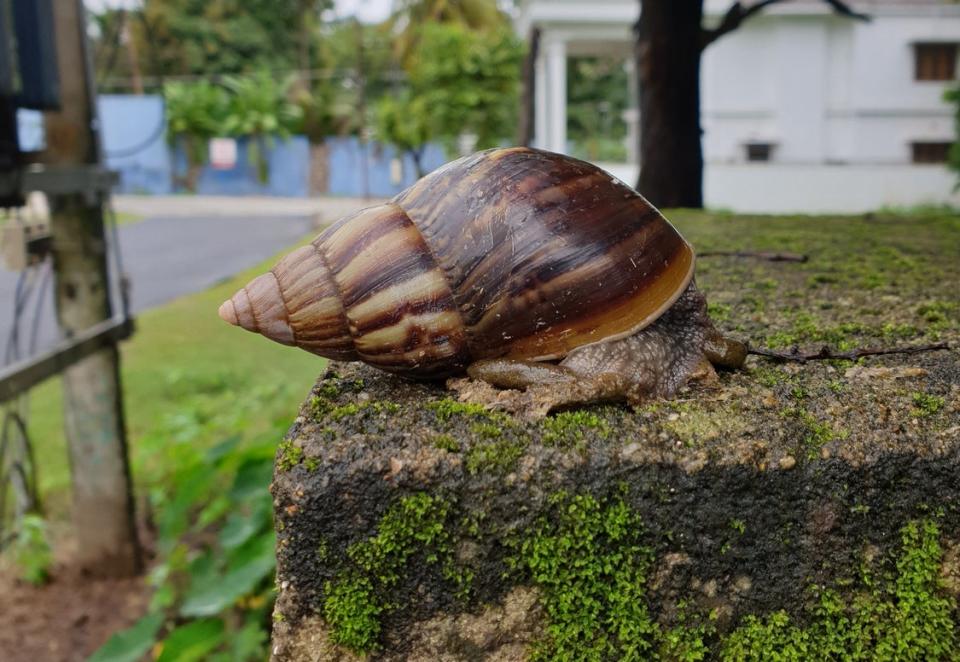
792, 512
402, 515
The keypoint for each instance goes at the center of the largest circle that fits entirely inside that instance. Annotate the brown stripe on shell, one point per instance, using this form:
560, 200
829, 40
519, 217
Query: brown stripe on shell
266, 306
544, 253
314, 311
397, 304
243, 311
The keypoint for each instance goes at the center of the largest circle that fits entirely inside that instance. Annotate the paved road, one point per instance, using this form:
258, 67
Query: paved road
175, 254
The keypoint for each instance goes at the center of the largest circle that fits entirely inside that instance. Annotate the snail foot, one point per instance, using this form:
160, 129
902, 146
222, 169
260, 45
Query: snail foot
537, 400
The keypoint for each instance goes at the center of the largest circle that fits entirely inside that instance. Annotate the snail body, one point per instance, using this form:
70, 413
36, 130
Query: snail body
510, 255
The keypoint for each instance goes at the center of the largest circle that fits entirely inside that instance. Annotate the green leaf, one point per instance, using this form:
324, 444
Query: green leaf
252, 479
241, 526
131, 644
248, 567
222, 450
192, 641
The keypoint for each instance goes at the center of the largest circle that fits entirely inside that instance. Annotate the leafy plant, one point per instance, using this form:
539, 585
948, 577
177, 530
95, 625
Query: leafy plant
470, 82
260, 108
405, 121
213, 585
598, 96
459, 82
256, 106
31, 550
195, 114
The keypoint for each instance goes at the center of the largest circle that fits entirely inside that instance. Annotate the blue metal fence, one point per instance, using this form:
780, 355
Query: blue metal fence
135, 144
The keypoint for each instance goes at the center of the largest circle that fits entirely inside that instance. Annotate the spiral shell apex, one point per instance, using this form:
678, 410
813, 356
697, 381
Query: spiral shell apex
510, 252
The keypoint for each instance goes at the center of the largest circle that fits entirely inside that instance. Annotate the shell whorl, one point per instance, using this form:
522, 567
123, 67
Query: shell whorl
512, 252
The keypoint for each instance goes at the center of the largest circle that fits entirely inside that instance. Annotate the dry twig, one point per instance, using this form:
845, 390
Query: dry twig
760, 255
826, 353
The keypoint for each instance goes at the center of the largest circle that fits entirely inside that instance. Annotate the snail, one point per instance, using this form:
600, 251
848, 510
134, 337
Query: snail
528, 270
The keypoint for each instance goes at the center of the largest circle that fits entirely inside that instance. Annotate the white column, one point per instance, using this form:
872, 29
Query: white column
556, 51
541, 129
631, 116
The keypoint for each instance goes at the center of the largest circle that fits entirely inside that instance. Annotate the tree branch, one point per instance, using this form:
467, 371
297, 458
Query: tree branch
738, 13
826, 353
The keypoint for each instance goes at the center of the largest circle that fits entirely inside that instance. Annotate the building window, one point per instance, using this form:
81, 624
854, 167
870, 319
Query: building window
930, 152
759, 151
935, 61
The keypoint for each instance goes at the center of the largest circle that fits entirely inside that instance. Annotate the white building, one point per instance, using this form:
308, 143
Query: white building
803, 110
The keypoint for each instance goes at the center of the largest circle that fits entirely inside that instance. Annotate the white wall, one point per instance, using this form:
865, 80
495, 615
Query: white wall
824, 89
763, 188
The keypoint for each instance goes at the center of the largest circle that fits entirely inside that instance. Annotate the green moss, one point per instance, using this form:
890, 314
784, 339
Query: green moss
344, 411
719, 312
893, 331
497, 456
925, 404
817, 433
937, 313
353, 611
768, 375
589, 563
568, 428
448, 408
289, 455
822, 279
587, 558
697, 423
486, 430
905, 619
414, 526
321, 408
809, 329
765, 284
328, 389
446, 442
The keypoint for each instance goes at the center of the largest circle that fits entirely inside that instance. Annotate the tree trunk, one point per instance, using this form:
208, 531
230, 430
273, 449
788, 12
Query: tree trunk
525, 126
668, 73
319, 168
417, 156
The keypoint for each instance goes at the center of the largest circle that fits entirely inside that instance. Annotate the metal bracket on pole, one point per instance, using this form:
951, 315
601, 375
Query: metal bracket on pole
92, 181
17, 378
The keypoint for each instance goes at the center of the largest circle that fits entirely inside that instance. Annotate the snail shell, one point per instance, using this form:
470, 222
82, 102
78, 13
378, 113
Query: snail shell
509, 252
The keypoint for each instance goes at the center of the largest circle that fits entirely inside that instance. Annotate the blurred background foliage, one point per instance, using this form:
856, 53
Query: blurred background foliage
597, 97
443, 71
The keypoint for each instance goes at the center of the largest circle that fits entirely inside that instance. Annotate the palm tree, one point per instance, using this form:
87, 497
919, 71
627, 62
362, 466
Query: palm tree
411, 15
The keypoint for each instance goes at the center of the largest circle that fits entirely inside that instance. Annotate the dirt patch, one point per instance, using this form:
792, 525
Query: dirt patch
67, 619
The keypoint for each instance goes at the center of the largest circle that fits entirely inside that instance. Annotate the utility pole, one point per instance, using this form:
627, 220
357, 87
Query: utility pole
103, 512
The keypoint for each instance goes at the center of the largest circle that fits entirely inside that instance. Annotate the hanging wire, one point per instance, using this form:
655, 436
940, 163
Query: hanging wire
18, 486
147, 142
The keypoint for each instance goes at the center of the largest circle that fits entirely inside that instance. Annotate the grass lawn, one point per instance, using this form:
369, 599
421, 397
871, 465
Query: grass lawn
188, 377
128, 218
